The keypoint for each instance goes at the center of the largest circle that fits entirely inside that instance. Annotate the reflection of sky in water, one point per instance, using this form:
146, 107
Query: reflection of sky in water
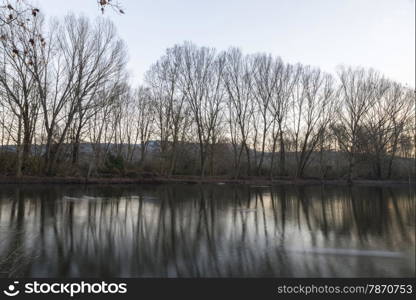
182, 230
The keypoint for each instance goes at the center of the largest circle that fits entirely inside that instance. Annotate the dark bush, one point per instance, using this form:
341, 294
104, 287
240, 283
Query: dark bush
114, 164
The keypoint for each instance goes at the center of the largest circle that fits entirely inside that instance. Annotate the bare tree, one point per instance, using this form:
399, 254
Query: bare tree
311, 112
238, 83
287, 77
98, 56
17, 13
68, 72
201, 82
20, 11
265, 73
169, 105
356, 94
145, 117
101, 126
385, 123
17, 84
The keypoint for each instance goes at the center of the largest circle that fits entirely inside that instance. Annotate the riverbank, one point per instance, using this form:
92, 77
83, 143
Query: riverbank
196, 180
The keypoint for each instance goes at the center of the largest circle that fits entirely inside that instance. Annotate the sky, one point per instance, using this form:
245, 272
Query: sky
377, 34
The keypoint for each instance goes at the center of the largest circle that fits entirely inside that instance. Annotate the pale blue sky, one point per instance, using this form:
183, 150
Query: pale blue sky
325, 33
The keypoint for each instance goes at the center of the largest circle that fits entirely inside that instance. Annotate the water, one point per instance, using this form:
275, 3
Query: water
206, 231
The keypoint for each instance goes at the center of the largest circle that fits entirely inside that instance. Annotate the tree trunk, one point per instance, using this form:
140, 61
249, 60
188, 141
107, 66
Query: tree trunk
282, 158
350, 168
19, 151
248, 159
27, 141
272, 158
75, 148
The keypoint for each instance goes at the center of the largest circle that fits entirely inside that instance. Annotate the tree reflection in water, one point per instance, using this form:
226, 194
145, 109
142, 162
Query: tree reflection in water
206, 231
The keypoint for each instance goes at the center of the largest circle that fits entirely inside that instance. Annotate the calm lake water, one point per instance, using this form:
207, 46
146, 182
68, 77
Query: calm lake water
206, 231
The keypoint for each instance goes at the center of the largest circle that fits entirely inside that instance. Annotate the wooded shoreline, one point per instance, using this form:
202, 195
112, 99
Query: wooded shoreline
259, 181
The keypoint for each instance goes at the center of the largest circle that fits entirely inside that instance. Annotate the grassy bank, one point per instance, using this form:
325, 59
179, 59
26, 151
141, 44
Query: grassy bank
196, 180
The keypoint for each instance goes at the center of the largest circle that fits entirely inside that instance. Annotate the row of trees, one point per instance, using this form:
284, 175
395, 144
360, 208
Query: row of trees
268, 110
66, 106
